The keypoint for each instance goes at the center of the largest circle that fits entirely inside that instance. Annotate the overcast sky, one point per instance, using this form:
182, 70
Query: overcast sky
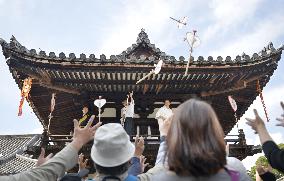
225, 27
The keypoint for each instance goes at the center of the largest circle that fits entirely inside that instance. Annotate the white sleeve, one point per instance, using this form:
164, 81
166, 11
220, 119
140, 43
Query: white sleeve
158, 114
122, 112
131, 107
132, 101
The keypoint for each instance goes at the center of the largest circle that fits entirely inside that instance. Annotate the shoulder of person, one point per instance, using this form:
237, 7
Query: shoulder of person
169, 176
235, 164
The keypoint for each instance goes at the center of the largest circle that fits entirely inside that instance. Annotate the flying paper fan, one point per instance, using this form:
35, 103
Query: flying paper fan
233, 103
192, 39
153, 71
158, 67
180, 23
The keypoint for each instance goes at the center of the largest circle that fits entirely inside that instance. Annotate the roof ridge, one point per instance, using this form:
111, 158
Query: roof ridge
134, 54
21, 149
26, 158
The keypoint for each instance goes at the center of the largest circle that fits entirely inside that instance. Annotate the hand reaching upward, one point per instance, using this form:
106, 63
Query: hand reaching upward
82, 163
142, 163
257, 123
82, 136
42, 159
131, 94
139, 146
258, 126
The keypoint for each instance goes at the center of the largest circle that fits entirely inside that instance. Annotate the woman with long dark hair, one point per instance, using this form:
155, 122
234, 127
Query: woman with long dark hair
196, 148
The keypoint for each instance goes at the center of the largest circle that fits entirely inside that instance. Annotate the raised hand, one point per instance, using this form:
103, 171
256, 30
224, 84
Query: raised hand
142, 163
256, 123
82, 136
41, 159
139, 146
164, 126
281, 119
131, 94
260, 170
81, 162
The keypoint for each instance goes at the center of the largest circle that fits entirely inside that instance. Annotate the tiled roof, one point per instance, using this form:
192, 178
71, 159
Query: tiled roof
16, 164
140, 53
12, 144
12, 148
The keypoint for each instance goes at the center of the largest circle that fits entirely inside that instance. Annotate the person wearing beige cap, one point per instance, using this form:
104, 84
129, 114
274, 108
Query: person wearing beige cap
112, 152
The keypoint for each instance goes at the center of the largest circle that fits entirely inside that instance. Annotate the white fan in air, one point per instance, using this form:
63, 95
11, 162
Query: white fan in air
100, 103
180, 23
233, 103
193, 41
157, 69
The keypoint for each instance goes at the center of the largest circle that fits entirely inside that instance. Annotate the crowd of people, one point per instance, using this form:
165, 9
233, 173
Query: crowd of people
192, 147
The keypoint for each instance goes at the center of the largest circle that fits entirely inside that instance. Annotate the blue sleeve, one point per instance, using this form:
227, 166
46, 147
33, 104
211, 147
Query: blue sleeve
161, 156
135, 168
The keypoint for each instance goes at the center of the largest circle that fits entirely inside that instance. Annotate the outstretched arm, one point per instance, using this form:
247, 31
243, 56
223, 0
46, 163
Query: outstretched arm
272, 152
265, 173
136, 167
161, 161
131, 98
62, 161
164, 126
42, 159
258, 126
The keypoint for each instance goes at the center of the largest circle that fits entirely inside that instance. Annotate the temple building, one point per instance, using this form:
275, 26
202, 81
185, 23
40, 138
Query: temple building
77, 80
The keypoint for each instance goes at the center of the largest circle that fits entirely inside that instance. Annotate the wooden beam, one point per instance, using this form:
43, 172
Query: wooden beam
212, 93
57, 88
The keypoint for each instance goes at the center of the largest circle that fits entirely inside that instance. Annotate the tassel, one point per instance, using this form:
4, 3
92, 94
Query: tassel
21, 106
262, 99
27, 85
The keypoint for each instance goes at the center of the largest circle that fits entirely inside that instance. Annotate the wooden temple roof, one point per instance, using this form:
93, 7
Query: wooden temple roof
12, 154
72, 78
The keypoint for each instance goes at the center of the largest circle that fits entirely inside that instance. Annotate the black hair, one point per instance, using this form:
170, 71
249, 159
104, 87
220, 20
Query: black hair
117, 170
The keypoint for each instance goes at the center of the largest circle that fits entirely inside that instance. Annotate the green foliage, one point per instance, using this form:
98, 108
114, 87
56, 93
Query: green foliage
264, 162
281, 145
252, 172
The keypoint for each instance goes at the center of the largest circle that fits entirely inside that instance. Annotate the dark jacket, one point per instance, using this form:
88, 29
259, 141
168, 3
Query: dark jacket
274, 155
268, 176
85, 119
